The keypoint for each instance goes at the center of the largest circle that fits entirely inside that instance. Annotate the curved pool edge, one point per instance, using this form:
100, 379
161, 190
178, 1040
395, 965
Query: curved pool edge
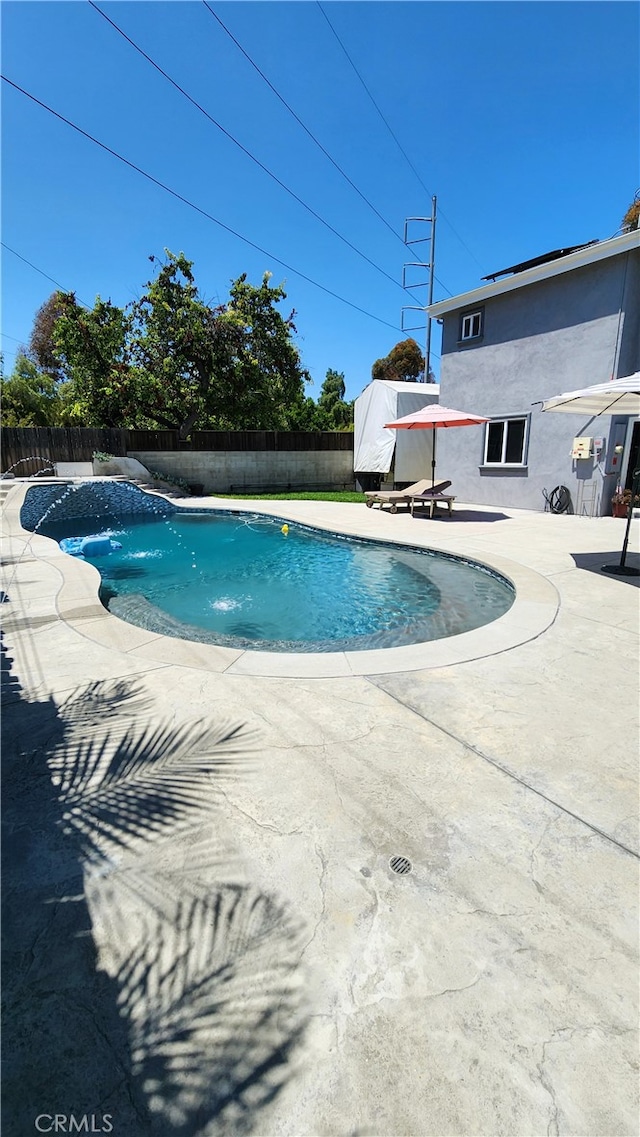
534, 610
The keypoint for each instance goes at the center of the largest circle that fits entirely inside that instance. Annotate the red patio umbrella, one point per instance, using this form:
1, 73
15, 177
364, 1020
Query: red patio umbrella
433, 417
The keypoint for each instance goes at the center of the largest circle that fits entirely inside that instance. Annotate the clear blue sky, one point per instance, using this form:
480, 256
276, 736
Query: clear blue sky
521, 117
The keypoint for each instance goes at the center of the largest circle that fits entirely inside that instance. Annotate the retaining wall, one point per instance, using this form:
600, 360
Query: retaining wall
246, 470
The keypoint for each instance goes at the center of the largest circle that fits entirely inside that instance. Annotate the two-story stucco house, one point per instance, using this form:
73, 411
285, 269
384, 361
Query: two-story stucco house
559, 322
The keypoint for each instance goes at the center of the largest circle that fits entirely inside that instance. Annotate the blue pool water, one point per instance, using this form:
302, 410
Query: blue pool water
238, 580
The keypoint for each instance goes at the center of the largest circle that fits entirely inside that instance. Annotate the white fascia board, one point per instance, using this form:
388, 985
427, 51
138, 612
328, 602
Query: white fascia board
610, 248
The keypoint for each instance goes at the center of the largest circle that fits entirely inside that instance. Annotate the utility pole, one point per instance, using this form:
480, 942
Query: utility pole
430, 265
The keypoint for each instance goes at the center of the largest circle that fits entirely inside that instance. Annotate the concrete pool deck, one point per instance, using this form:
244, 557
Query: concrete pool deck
203, 931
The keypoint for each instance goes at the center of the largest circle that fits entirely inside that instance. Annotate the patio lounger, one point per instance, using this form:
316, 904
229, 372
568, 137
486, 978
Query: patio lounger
432, 500
393, 498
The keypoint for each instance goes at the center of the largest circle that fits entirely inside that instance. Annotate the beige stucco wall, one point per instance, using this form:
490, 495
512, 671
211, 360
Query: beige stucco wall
229, 471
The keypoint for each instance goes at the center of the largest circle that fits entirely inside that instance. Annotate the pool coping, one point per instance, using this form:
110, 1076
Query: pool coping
77, 604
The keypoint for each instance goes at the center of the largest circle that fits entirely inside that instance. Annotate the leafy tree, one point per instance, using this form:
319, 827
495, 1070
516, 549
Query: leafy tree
178, 344
42, 349
29, 397
232, 367
268, 377
405, 362
302, 414
332, 412
92, 348
173, 360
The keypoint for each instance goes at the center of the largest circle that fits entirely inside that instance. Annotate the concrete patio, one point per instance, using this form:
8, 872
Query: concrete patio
203, 934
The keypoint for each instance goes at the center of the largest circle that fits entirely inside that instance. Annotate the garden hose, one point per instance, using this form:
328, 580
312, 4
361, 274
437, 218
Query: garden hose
559, 500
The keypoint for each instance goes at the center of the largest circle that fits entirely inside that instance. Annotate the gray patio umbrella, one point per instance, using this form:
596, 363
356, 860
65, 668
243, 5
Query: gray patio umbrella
619, 396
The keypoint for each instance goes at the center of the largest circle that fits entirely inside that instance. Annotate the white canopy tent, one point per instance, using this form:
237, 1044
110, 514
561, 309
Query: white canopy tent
376, 449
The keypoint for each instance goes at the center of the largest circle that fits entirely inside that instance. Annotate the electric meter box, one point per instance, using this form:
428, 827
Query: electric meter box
582, 448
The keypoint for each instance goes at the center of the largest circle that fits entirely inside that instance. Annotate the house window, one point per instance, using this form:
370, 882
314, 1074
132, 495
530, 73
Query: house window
505, 442
471, 325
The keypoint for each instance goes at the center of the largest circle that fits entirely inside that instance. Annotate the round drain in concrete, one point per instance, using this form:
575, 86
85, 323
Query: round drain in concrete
400, 865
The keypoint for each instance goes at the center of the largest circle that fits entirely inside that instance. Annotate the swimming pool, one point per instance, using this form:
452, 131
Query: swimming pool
253, 582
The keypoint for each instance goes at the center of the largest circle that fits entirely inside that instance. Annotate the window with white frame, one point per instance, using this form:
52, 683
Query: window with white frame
471, 325
505, 442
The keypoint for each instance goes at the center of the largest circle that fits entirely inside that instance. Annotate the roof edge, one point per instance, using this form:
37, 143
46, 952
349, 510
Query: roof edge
404, 385
589, 254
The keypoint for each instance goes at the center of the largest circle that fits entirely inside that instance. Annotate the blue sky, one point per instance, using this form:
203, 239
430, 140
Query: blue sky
521, 117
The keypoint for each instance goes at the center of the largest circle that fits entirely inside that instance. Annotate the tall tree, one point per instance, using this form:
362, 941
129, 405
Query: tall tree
333, 413
42, 349
234, 366
93, 351
179, 344
29, 397
174, 360
405, 362
268, 376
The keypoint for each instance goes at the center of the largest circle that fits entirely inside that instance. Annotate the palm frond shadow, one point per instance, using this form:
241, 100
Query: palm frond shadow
105, 702
130, 784
64, 1039
206, 964
214, 999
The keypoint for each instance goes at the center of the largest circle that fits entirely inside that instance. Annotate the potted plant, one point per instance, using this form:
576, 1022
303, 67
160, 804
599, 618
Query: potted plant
621, 501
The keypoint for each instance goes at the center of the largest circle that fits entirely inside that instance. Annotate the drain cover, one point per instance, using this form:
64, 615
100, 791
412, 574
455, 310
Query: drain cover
400, 865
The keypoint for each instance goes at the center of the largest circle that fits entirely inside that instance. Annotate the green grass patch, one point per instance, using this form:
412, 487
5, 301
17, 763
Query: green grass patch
345, 495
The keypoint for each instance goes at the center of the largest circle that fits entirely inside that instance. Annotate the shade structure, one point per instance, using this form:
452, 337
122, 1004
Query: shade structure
618, 397
435, 417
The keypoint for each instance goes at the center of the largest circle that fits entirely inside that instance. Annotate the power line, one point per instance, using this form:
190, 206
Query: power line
39, 270
197, 208
301, 123
244, 149
20, 257
395, 139
313, 137
400, 148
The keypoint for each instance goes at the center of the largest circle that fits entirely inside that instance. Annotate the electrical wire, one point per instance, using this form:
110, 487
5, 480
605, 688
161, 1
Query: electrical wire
35, 267
391, 132
197, 208
400, 148
244, 149
302, 124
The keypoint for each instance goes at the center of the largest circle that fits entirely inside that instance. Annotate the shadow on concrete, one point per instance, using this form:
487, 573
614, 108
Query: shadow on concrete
65, 1045
593, 562
144, 978
460, 515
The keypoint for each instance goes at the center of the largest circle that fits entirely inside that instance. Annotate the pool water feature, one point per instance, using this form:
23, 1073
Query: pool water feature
249, 581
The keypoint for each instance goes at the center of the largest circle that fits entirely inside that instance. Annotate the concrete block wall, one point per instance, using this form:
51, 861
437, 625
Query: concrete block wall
228, 471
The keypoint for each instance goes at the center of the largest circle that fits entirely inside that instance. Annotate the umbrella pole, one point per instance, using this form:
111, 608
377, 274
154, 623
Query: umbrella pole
624, 569
433, 459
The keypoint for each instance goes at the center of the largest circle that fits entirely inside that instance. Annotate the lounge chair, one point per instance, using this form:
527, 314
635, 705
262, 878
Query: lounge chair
394, 498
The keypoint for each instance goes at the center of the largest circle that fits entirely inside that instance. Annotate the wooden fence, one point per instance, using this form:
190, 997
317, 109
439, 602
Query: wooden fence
19, 445
28, 448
